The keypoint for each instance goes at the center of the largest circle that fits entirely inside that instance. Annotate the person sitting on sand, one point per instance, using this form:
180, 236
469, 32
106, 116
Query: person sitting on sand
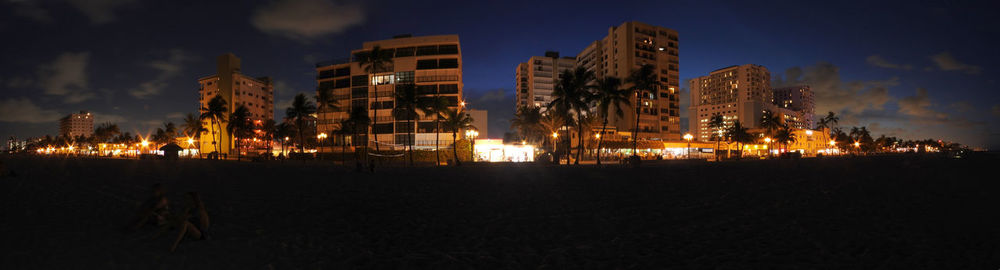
193, 225
152, 211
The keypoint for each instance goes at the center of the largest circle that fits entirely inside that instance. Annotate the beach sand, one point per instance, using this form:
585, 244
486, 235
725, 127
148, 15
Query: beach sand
863, 213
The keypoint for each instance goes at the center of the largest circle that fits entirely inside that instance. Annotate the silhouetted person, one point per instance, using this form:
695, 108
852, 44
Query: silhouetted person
192, 222
153, 210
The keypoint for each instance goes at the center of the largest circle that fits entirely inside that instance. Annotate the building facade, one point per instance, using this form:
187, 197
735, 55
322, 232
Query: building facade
480, 121
796, 105
536, 79
737, 93
628, 47
255, 93
77, 124
432, 63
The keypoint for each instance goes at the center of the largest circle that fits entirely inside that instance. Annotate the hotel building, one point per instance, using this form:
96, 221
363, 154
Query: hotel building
737, 93
432, 63
796, 105
628, 47
256, 93
536, 79
77, 124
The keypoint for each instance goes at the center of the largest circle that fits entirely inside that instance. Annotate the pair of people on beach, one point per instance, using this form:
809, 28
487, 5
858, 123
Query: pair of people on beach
192, 221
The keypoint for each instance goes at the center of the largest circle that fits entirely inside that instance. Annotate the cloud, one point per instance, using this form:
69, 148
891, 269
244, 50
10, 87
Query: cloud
304, 20
99, 11
946, 62
176, 115
167, 69
23, 110
848, 98
918, 106
66, 77
499, 103
878, 61
107, 117
961, 106
31, 10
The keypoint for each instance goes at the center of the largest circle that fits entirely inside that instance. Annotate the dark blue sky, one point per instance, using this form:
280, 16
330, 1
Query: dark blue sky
913, 70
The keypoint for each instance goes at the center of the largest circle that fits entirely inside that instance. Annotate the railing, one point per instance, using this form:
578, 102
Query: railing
380, 94
437, 78
384, 119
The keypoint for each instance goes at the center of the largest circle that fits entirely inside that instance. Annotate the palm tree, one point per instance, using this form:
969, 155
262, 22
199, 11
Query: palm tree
739, 134
240, 126
360, 121
572, 94
527, 120
300, 109
642, 79
608, 94
551, 123
193, 126
456, 120
325, 103
283, 131
829, 121
406, 107
344, 127
435, 106
770, 122
215, 112
717, 123
784, 136
375, 61
268, 130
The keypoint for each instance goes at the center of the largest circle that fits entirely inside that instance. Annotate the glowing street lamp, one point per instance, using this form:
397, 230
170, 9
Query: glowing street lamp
555, 135
768, 141
471, 134
145, 143
688, 137
190, 141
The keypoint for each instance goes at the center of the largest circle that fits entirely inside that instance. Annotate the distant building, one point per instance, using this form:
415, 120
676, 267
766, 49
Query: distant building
480, 120
77, 124
626, 48
796, 104
432, 63
535, 80
256, 93
737, 93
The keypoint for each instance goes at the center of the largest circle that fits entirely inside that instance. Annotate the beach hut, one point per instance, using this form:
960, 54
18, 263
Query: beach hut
170, 151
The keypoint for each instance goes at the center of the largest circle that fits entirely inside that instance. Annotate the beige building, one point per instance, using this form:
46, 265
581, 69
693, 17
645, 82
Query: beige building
77, 124
256, 93
628, 47
737, 93
480, 121
432, 63
536, 79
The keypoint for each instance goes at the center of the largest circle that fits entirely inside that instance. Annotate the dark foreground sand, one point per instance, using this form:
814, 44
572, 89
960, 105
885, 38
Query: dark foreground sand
865, 213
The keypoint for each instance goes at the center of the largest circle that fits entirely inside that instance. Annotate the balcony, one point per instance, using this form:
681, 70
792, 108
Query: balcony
437, 78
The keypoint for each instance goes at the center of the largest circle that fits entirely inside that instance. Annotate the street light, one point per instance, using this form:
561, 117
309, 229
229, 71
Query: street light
768, 141
555, 136
471, 134
688, 138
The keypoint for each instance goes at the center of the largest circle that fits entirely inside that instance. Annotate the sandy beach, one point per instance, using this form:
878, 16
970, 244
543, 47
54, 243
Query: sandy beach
862, 213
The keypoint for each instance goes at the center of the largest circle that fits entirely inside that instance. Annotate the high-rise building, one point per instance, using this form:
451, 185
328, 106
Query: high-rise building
432, 63
535, 79
77, 124
796, 105
737, 93
480, 120
255, 93
628, 47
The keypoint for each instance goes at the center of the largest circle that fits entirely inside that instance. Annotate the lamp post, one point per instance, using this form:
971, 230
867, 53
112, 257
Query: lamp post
471, 134
833, 144
688, 137
768, 141
555, 137
321, 137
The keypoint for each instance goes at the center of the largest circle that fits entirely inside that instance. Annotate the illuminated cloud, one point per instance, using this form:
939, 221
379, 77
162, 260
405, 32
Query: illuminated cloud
878, 61
848, 98
919, 106
304, 20
166, 70
23, 110
946, 62
66, 77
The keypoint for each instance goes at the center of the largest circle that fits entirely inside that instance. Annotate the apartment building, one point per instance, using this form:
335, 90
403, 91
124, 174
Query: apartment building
432, 63
535, 79
238, 89
77, 124
796, 105
736, 92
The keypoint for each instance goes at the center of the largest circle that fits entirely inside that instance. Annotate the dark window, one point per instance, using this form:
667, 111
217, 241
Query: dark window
452, 100
404, 77
326, 85
448, 63
664, 128
427, 50
382, 105
360, 80
426, 89
449, 89
448, 49
427, 64
359, 104
426, 127
359, 92
405, 139
325, 74
404, 52
345, 71
343, 83
382, 128
402, 126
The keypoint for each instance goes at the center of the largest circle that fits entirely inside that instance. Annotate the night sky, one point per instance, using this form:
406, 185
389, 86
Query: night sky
915, 71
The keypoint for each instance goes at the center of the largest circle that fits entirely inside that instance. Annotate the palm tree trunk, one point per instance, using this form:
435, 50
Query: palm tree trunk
437, 138
635, 136
454, 148
409, 141
375, 117
579, 137
600, 139
302, 138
